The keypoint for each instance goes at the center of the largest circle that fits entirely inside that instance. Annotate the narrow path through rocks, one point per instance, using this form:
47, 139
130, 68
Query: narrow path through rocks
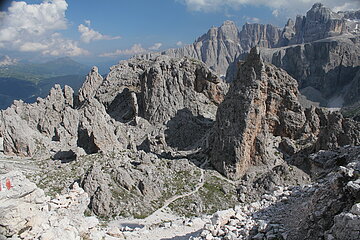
153, 217
161, 215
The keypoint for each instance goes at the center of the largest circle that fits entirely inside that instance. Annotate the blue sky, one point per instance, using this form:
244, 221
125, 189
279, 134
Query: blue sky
96, 31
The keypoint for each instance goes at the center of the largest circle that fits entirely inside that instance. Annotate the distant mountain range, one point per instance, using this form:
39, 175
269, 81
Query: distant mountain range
320, 50
27, 81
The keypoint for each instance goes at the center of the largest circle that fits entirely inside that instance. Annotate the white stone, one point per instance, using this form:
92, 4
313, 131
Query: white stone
355, 209
222, 217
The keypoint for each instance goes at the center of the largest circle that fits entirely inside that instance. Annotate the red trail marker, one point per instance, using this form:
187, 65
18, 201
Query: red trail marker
8, 184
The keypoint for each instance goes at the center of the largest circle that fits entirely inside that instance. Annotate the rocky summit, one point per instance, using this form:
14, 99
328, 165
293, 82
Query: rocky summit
261, 105
163, 147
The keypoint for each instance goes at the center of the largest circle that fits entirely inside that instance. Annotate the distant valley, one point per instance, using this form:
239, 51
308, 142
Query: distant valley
27, 81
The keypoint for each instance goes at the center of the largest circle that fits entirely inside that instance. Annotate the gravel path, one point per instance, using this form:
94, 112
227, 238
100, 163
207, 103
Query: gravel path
162, 224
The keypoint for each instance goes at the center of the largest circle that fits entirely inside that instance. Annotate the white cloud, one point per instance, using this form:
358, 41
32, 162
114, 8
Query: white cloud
276, 12
290, 7
89, 35
87, 22
33, 28
58, 46
135, 49
179, 43
155, 47
347, 6
251, 19
32, 47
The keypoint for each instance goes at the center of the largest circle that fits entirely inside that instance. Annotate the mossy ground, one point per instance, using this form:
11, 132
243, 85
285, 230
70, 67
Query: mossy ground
214, 195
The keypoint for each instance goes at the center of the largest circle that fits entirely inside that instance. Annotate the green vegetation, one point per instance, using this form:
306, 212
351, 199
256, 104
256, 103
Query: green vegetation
216, 194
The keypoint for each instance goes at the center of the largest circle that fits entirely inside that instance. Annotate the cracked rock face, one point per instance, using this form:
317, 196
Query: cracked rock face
220, 46
92, 83
330, 67
263, 103
262, 100
320, 22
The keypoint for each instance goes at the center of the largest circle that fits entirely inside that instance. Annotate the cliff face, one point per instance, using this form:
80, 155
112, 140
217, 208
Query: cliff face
319, 50
261, 106
319, 23
222, 45
330, 66
261, 35
254, 106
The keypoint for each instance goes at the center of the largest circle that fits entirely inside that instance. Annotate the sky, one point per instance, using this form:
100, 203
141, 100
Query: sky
109, 30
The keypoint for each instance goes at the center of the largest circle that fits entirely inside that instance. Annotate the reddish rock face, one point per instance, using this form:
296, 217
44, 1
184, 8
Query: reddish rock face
262, 103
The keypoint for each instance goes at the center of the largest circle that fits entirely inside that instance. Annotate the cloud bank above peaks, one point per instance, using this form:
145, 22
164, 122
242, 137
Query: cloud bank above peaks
134, 50
291, 7
33, 28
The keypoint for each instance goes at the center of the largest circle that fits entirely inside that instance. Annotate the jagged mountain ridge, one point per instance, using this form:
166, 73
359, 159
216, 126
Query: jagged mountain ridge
329, 67
220, 46
150, 91
319, 50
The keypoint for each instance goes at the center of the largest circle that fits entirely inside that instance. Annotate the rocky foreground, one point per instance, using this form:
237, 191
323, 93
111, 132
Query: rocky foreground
324, 209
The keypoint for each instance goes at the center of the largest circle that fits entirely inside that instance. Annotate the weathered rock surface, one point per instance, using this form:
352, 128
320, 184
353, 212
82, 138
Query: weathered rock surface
326, 209
319, 23
26, 213
103, 117
262, 102
92, 83
330, 66
220, 46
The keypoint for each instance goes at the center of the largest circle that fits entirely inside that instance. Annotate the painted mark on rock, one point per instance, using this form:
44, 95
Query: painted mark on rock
5, 185
8, 184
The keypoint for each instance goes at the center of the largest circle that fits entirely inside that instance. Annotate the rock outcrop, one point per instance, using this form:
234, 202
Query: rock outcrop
26, 212
102, 116
262, 103
326, 209
92, 83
